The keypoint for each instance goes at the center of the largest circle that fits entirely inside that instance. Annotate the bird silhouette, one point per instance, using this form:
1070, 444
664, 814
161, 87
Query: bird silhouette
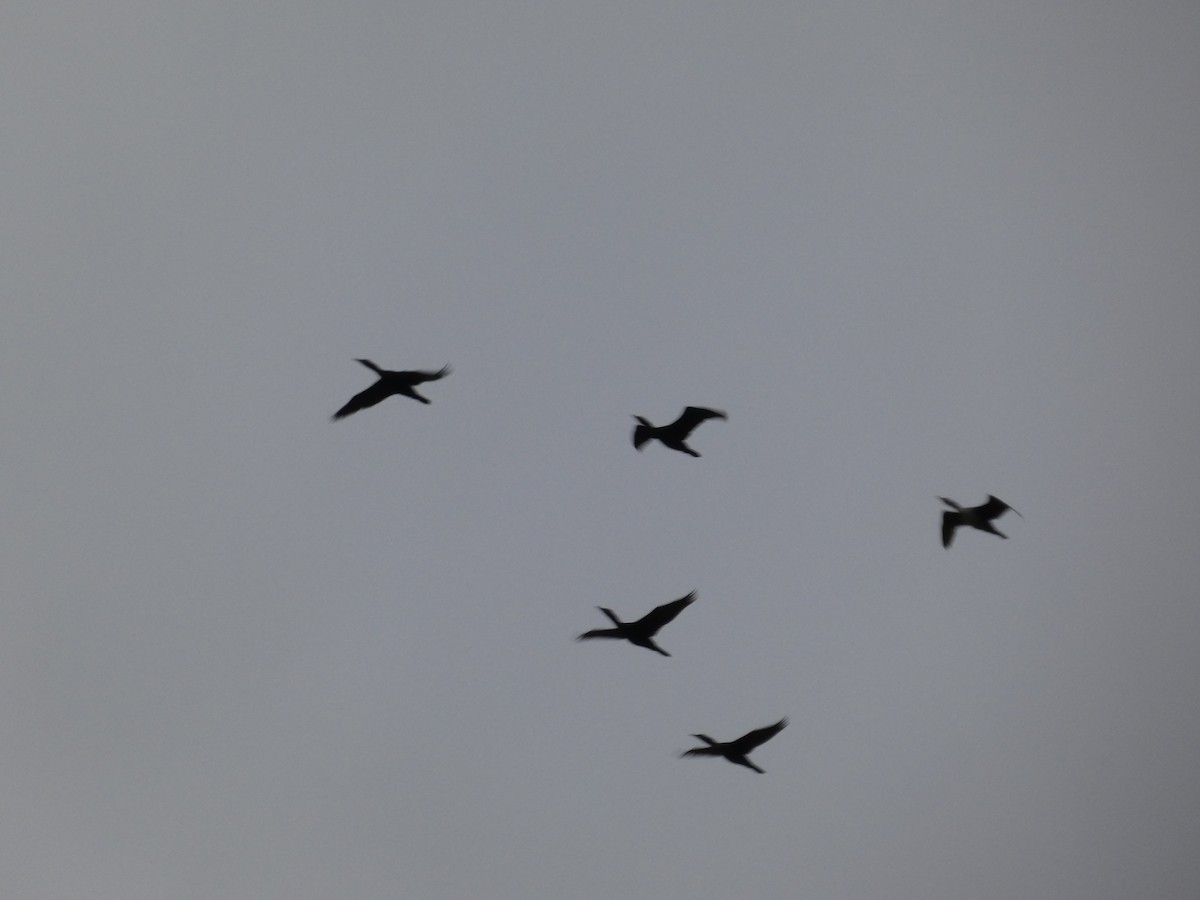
643, 630
735, 751
676, 433
975, 516
389, 384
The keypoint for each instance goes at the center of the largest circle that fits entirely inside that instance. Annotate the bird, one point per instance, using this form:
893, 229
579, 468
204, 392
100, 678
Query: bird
389, 383
976, 516
643, 630
676, 433
735, 751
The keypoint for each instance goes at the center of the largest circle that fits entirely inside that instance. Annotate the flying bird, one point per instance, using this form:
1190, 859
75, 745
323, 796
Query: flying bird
676, 433
643, 630
976, 516
735, 751
389, 383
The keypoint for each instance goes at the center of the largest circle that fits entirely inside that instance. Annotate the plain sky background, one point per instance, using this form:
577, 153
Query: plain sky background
913, 248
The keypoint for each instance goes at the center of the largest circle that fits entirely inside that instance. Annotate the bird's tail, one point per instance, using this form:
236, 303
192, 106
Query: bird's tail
641, 432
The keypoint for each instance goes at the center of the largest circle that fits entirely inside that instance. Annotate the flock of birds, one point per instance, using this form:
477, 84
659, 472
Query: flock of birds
641, 633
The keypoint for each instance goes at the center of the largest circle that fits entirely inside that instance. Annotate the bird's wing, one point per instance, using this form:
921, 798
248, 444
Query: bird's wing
661, 615
994, 508
693, 416
949, 523
600, 633
748, 742
418, 376
749, 765
376, 393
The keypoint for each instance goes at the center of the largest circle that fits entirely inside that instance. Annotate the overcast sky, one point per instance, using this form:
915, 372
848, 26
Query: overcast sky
914, 249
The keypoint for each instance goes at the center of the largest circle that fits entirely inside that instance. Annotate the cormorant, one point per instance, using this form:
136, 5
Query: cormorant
735, 751
389, 383
976, 516
676, 433
643, 630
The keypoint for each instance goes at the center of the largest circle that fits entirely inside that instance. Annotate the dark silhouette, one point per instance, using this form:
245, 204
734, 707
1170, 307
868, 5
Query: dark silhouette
643, 630
389, 383
735, 751
676, 433
976, 516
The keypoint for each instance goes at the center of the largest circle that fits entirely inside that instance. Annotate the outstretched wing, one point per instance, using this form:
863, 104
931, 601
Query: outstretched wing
994, 508
419, 376
661, 615
693, 416
376, 393
600, 633
748, 742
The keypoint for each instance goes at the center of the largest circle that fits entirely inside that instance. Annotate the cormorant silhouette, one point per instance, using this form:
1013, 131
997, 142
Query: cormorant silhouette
676, 433
976, 516
643, 630
735, 751
389, 383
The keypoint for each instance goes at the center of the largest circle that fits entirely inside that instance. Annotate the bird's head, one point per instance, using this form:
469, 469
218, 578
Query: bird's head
949, 502
705, 738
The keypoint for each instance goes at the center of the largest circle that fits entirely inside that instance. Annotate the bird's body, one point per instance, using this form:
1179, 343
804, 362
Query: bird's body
736, 751
388, 385
979, 517
641, 633
674, 435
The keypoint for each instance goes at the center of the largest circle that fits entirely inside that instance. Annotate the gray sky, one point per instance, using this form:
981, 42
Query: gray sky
913, 248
